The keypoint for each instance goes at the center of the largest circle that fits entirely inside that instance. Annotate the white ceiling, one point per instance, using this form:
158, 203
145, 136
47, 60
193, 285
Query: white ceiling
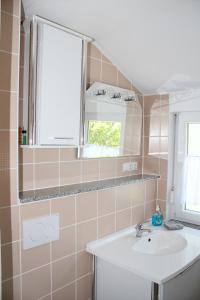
155, 43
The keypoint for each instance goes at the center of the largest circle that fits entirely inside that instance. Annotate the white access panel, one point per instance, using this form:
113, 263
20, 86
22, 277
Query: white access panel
40, 231
59, 69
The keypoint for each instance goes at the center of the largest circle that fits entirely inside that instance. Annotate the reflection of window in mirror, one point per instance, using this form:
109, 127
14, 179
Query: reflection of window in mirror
104, 137
105, 133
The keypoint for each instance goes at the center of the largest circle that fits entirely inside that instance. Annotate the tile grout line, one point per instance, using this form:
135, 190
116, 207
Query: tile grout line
101, 68
145, 200
100, 59
9, 91
10, 53
117, 77
10, 14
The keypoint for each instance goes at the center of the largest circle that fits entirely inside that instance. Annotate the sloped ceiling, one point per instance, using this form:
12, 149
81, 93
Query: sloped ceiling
155, 43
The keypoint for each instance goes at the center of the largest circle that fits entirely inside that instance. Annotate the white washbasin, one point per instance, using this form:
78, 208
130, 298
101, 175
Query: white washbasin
160, 243
165, 256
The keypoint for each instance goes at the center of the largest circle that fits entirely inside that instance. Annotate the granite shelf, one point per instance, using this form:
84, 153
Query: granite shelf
73, 189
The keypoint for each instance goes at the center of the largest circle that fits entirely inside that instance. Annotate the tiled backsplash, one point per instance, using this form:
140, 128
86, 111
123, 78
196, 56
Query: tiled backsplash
62, 269
47, 167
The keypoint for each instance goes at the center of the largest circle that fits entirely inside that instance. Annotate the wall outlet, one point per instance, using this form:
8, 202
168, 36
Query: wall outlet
40, 231
130, 166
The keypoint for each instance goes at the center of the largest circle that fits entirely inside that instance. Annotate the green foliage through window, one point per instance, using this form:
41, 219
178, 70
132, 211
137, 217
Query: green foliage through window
105, 133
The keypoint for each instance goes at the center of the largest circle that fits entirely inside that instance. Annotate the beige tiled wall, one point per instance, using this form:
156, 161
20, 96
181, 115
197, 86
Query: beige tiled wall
155, 141
62, 269
100, 68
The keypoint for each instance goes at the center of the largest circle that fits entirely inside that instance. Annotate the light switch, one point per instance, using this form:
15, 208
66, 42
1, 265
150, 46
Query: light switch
130, 166
40, 231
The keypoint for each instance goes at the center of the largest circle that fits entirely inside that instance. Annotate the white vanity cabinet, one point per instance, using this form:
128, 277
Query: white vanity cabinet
116, 283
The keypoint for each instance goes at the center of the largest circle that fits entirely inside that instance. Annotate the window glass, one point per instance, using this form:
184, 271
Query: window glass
192, 168
187, 167
193, 139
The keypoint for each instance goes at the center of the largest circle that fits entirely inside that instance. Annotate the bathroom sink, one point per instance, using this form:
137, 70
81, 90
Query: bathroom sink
160, 243
157, 256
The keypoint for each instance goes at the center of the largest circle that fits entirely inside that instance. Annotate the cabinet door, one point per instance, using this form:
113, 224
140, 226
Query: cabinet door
58, 92
183, 287
116, 283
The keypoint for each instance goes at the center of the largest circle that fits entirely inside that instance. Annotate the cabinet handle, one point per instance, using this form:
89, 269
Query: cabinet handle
61, 138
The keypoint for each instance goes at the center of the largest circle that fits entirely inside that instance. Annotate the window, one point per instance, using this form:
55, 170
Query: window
192, 168
187, 167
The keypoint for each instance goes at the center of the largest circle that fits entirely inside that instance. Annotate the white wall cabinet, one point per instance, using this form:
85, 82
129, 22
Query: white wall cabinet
56, 98
58, 86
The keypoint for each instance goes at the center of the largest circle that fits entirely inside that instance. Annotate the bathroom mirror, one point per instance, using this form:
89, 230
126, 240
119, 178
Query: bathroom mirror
112, 125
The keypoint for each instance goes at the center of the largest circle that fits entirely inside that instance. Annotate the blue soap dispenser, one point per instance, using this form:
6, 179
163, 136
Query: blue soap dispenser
157, 217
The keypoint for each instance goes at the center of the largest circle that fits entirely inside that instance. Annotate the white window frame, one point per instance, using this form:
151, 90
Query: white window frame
180, 152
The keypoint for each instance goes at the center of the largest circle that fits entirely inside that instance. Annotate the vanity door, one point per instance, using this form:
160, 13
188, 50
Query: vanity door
116, 283
185, 286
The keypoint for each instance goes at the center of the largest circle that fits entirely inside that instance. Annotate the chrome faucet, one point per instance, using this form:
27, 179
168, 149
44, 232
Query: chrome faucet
139, 230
